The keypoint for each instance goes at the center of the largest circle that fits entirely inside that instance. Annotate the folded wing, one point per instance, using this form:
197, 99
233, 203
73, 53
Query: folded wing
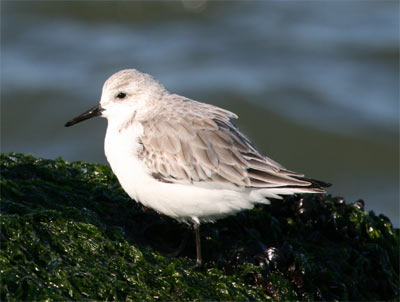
198, 144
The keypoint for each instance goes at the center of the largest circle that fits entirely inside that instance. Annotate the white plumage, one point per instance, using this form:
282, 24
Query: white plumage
183, 158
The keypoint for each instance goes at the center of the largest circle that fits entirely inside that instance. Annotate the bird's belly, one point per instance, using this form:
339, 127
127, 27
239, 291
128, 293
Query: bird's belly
184, 202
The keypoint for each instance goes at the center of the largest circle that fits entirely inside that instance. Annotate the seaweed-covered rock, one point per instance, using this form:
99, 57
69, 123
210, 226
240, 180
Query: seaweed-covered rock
68, 231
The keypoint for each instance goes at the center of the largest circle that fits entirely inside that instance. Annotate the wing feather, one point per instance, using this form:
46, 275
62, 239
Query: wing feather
232, 174
227, 155
195, 142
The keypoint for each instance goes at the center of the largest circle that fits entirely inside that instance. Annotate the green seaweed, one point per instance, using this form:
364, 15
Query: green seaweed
69, 232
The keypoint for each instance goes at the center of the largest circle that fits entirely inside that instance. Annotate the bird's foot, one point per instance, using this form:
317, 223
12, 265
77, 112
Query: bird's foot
198, 265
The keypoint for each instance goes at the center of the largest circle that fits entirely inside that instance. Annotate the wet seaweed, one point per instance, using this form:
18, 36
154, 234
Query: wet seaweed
68, 231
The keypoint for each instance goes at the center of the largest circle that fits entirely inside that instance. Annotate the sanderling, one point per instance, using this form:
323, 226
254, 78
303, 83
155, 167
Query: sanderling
183, 158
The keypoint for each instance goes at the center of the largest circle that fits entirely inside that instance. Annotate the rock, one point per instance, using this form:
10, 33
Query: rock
69, 232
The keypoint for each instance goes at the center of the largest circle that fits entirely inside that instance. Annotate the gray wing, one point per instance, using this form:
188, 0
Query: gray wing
197, 142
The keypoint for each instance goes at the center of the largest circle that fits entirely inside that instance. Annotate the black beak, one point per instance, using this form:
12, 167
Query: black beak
92, 112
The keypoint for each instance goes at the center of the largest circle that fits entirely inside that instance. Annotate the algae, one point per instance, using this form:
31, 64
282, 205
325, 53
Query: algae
69, 232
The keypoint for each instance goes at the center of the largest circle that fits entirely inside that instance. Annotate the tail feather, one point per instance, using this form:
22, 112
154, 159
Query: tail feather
314, 183
315, 187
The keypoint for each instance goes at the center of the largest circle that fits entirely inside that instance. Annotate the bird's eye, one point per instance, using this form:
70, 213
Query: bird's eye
121, 95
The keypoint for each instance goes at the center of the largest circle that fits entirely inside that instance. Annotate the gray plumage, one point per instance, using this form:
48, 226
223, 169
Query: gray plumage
192, 142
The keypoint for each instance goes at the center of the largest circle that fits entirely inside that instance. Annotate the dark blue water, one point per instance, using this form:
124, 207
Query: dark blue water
315, 83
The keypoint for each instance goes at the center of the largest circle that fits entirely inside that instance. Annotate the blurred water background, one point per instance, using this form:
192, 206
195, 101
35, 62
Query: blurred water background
315, 83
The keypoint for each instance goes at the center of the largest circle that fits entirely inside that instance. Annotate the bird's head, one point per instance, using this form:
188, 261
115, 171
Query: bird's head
126, 94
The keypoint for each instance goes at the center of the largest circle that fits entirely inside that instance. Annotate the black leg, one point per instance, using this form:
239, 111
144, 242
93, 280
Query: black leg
198, 244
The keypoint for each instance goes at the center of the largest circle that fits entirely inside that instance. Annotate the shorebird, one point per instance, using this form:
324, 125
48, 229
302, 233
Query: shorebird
183, 158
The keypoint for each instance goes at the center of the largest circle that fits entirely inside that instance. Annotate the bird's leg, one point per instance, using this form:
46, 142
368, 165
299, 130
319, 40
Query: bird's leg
196, 227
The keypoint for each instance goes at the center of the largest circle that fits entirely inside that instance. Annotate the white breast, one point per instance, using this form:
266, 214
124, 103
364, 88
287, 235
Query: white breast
121, 149
182, 202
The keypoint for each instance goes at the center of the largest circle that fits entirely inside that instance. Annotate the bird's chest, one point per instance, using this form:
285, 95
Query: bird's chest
121, 149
